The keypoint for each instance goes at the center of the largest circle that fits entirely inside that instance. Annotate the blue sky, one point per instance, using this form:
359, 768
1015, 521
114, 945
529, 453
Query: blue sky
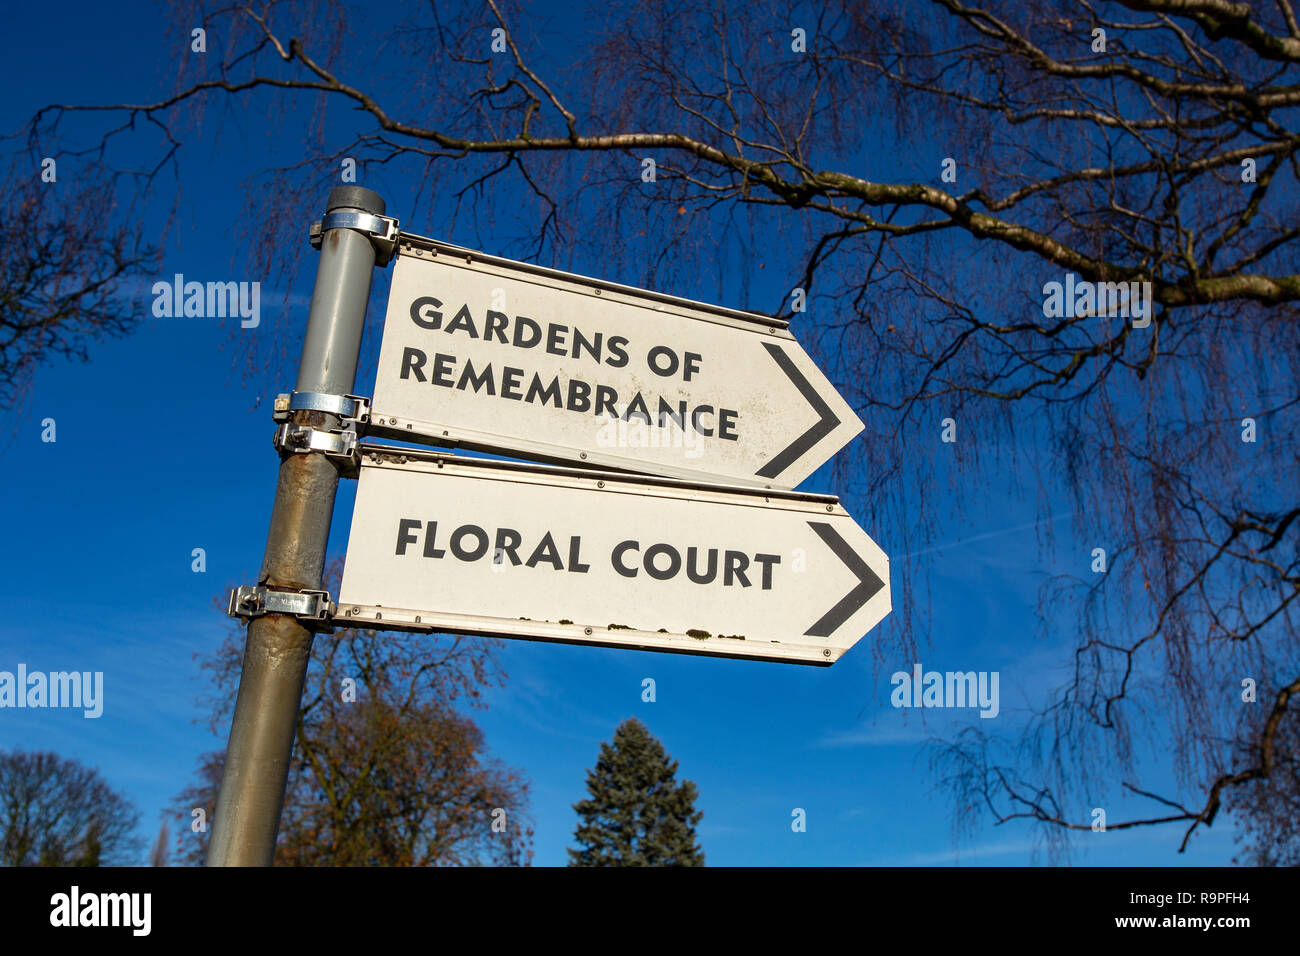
161, 448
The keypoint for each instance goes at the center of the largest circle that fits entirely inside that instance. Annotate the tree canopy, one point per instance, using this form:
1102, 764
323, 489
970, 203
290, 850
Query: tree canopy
57, 812
637, 813
387, 768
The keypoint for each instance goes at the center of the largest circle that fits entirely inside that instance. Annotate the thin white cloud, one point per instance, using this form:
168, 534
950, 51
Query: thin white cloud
988, 534
873, 737
985, 851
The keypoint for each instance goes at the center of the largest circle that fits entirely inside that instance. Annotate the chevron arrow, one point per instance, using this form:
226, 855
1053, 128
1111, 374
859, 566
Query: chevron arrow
826, 422
868, 585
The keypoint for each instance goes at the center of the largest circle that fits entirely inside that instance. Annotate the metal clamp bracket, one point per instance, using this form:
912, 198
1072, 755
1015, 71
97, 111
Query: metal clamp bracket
304, 439
341, 443
382, 230
248, 601
349, 408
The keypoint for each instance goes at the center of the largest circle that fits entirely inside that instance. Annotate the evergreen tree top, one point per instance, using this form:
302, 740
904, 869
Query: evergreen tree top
636, 814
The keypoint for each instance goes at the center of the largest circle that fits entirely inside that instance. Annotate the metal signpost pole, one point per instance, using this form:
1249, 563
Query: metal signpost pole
276, 652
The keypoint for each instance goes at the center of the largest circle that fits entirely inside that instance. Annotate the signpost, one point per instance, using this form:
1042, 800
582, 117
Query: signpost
501, 356
352, 239
444, 543
496, 355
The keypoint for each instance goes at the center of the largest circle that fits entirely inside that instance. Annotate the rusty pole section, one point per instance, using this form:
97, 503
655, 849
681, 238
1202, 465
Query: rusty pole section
247, 817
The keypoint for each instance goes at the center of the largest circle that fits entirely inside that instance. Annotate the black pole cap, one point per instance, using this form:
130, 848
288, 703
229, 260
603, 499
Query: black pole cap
355, 197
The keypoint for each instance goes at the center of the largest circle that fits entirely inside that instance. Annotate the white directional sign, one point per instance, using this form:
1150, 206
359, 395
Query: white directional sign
444, 543
497, 355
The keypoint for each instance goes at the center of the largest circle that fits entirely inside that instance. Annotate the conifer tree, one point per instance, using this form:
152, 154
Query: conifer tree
637, 814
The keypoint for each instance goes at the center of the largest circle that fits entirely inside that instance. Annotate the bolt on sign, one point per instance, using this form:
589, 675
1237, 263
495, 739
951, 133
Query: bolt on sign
445, 543
495, 355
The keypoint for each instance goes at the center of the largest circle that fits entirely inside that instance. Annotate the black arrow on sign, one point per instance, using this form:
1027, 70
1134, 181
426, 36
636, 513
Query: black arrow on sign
825, 424
868, 582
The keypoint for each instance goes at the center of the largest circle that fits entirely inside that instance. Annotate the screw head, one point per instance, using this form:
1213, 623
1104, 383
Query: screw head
600, 484
586, 630
826, 652
830, 507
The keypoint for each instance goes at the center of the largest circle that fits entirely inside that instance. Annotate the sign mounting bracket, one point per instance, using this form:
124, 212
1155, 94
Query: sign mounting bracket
313, 608
349, 408
291, 437
382, 230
